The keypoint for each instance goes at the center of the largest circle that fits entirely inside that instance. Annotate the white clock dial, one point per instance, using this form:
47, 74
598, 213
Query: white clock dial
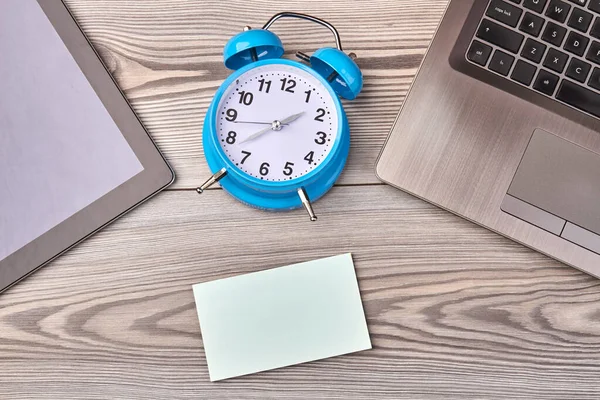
277, 122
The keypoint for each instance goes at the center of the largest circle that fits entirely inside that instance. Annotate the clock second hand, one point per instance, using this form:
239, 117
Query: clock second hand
254, 122
275, 126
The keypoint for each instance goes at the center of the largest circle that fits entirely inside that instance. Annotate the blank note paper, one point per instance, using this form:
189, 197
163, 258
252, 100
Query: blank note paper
280, 317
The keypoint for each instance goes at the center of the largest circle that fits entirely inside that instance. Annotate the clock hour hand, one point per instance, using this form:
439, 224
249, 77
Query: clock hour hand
275, 126
291, 118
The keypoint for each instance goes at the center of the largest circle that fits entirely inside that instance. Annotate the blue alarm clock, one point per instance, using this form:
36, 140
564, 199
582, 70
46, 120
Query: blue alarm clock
276, 136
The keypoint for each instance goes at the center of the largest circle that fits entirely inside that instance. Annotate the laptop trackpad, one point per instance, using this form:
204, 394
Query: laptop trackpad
558, 185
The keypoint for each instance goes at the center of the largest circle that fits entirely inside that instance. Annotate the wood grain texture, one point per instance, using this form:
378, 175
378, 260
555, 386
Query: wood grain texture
454, 311
168, 57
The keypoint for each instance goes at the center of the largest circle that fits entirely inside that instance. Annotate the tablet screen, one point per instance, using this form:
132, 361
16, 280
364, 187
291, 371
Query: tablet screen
60, 149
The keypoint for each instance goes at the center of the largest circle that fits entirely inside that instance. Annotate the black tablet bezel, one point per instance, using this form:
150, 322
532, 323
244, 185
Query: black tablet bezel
156, 176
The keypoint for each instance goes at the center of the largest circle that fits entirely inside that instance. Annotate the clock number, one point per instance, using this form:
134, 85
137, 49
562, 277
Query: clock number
231, 137
231, 115
291, 84
264, 83
322, 138
287, 170
246, 155
264, 169
310, 157
320, 115
246, 98
308, 93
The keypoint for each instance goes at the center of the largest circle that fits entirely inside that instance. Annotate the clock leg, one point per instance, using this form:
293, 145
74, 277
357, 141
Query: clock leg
306, 203
212, 180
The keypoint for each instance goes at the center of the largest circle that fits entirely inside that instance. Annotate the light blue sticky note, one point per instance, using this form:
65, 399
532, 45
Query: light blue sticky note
280, 317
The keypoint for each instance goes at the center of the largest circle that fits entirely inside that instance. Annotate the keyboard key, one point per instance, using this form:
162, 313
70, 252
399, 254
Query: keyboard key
593, 53
532, 24
579, 97
501, 62
580, 20
479, 53
558, 10
595, 79
545, 82
523, 72
595, 31
504, 12
500, 36
579, 2
578, 70
535, 5
554, 34
595, 5
533, 51
576, 43
556, 60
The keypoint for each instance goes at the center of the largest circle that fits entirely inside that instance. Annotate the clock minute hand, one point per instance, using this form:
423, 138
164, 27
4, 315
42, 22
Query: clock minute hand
276, 125
257, 134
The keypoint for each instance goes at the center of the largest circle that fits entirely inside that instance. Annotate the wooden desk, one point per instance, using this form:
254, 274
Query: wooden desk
454, 311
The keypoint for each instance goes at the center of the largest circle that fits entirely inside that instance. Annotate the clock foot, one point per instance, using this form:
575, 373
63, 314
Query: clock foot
212, 180
306, 204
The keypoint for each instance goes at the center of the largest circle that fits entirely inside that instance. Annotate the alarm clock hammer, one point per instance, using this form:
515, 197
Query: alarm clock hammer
303, 146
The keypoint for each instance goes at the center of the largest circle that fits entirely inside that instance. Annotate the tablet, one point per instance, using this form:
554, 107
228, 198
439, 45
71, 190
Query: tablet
73, 154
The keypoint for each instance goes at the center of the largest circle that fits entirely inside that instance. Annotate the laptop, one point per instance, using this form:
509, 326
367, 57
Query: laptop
502, 124
73, 154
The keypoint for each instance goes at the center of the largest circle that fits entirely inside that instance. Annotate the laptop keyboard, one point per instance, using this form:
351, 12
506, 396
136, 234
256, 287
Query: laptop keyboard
549, 46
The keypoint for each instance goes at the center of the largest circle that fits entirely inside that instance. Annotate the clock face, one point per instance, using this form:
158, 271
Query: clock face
277, 122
